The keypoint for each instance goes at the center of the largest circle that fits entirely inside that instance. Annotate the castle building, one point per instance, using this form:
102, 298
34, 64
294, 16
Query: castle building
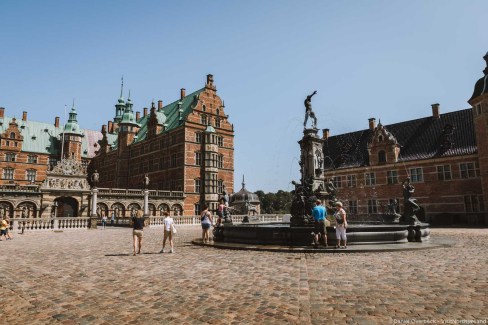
445, 156
186, 148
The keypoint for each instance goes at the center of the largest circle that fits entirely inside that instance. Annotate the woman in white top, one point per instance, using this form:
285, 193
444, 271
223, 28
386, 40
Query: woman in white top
168, 231
341, 225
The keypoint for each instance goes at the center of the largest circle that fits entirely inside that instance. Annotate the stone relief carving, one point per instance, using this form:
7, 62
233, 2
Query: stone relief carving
68, 174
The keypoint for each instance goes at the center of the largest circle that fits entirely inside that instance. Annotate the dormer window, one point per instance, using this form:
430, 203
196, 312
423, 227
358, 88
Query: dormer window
204, 108
380, 138
382, 157
12, 135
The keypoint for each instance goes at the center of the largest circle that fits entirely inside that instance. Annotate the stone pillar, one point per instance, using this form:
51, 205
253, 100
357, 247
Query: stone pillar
312, 158
146, 203
93, 212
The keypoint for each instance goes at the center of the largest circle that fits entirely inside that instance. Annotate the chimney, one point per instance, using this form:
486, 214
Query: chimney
436, 110
110, 127
2, 112
372, 123
183, 93
138, 115
325, 134
160, 105
56, 121
145, 111
104, 128
24, 116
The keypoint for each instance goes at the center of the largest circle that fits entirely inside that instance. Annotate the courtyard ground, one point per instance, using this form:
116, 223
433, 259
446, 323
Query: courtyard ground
91, 277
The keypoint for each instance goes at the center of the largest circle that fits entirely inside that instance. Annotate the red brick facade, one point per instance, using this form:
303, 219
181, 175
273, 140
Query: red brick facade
169, 156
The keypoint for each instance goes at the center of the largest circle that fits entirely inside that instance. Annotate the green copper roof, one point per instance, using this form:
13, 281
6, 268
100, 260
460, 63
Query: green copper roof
72, 126
44, 138
171, 115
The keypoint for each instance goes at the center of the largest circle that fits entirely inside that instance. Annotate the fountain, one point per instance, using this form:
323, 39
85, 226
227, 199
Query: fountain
394, 228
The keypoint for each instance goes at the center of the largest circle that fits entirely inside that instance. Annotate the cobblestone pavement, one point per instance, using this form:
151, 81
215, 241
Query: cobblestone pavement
91, 277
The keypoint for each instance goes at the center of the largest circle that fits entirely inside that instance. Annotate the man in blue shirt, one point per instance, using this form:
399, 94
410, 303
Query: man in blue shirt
319, 213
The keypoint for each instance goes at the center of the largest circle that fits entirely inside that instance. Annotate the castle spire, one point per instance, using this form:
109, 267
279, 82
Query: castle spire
243, 183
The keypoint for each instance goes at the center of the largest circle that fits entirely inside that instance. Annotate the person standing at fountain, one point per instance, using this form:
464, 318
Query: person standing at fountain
319, 212
340, 217
168, 231
138, 229
206, 218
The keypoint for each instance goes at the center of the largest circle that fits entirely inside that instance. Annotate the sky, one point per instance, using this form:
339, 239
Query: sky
384, 59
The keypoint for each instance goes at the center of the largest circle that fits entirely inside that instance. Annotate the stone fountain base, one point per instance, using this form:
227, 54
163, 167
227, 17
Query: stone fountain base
284, 234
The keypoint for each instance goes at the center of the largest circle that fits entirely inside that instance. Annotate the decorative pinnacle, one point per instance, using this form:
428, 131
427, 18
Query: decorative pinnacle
243, 183
122, 87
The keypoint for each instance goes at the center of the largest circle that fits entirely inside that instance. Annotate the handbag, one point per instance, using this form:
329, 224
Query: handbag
173, 228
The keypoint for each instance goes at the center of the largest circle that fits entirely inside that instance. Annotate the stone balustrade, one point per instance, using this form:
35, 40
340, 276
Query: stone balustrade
22, 224
138, 193
76, 223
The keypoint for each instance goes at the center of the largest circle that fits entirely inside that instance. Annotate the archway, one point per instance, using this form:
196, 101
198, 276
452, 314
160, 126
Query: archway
118, 209
132, 209
163, 207
152, 209
27, 210
66, 207
102, 208
6, 210
177, 210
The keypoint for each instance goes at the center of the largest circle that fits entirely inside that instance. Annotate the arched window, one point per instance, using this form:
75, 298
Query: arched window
382, 157
380, 138
12, 135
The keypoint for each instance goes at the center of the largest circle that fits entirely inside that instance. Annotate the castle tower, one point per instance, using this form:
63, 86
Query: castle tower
71, 137
210, 167
120, 106
479, 104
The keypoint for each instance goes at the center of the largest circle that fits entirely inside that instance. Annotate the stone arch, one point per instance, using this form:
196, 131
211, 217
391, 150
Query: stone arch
102, 208
119, 209
27, 209
151, 209
162, 208
6, 209
177, 209
132, 208
66, 206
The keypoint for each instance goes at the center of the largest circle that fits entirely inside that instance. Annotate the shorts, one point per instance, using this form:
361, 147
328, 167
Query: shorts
319, 227
3, 232
137, 232
205, 226
341, 232
168, 233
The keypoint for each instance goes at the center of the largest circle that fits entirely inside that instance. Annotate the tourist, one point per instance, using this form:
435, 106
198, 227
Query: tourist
104, 220
319, 213
3, 229
137, 232
9, 233
168, 231
341, 225
207, 221
112, 219
220, 212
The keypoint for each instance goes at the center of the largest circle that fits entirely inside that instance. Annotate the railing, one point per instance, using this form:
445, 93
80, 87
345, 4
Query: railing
237, 219
137, 192
19, 188
22, 224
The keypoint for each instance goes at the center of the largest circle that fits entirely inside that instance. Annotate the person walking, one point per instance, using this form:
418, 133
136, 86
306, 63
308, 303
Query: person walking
206, 218
104, 220
319, 212
3, 229
169, 225
341, 225
112, 219
138, 230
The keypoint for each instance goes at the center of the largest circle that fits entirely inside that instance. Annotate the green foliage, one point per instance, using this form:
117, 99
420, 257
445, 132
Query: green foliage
279, 202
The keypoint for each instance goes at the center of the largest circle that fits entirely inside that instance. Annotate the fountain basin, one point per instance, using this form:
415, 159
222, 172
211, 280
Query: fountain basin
284, 234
